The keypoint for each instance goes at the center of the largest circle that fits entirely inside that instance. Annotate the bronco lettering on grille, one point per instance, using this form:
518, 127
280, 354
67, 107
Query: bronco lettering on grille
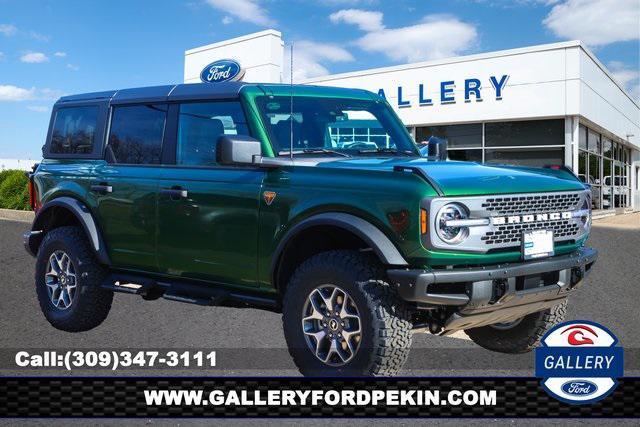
518, 219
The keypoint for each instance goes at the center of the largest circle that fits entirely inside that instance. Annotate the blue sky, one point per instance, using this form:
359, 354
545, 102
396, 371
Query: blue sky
51, 48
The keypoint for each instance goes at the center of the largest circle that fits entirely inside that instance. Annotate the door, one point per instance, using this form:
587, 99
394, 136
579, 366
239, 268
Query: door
208, 214
127, 185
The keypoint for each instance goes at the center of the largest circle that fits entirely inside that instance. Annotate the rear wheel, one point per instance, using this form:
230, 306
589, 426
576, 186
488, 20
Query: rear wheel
521, 335
341, 317
68, 279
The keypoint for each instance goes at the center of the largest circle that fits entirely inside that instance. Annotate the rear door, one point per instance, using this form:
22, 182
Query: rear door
208, 213
127, 184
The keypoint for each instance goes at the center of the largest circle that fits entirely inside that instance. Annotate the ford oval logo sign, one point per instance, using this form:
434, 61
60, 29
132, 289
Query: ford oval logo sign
579, 388
224, 70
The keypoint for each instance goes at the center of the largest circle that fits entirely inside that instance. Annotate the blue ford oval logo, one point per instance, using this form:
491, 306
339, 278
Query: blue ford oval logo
224, 70
579, 388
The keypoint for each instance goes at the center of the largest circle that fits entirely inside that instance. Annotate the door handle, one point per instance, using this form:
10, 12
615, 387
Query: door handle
175, 193
102, 188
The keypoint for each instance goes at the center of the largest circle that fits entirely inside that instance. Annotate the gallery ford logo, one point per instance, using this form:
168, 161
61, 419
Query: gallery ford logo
224, 70
579, 388
579, 362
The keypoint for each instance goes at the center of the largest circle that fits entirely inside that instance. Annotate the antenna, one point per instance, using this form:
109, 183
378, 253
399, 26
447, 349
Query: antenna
291, 105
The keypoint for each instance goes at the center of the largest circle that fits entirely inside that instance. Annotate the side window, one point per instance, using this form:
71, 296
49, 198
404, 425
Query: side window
74, 130
199, 126
136, 133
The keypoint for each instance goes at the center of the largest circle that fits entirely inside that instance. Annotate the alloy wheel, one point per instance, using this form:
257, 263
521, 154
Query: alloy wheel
60, 279
331, 325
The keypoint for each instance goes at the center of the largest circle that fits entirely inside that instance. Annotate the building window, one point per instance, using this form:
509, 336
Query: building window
524, 133
526, 157
136, 133
457, 136
474, 155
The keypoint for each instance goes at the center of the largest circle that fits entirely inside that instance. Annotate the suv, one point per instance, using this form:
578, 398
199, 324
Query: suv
310, 201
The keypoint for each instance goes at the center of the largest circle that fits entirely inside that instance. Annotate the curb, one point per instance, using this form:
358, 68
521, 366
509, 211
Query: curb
14, 215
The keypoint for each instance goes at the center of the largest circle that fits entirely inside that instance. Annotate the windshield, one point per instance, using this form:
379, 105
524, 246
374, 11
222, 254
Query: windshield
334, 126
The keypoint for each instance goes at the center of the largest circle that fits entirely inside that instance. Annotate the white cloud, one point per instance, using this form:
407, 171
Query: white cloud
366, 20
49, 94
73, 67
60, 54
34, 57
15, 93
38, 36
347, 2
8, 29
1, 56
38, 108
628, 77
227, 20
308, 57
244, 10
595, 22
436, 36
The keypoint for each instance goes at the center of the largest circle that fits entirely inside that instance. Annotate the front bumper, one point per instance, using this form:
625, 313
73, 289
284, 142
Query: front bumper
494, 294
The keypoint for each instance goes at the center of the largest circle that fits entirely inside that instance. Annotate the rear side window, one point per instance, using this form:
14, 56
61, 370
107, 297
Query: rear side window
74, 130
136, 133
200, 125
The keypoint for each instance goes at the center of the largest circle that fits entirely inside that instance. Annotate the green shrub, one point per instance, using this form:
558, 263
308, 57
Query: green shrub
14, 190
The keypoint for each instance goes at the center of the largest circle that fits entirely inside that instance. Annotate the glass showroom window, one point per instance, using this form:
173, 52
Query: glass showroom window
464, 142
525, 143
353, 131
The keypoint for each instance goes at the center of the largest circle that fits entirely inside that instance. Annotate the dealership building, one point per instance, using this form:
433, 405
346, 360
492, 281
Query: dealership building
539, 105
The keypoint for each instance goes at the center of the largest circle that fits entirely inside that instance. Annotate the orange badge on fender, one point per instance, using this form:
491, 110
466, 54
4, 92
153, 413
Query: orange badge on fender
269, 196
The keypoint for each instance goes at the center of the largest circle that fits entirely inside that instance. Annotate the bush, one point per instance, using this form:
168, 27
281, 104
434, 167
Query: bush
14, 190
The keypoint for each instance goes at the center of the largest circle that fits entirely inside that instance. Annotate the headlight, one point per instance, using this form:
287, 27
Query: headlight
447, 231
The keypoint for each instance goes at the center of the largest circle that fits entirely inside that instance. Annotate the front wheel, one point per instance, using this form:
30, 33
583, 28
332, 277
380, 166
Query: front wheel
341, 317
519, 336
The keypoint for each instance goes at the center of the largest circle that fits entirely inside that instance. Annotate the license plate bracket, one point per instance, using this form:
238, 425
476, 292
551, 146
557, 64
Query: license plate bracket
537, 244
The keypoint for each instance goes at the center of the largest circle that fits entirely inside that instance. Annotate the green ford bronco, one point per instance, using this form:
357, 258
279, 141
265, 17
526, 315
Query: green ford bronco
310, 201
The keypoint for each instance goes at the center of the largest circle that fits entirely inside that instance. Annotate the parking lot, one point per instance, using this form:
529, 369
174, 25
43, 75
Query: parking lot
251, 342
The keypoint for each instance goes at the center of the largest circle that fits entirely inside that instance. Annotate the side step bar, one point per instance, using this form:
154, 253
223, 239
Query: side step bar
190, 292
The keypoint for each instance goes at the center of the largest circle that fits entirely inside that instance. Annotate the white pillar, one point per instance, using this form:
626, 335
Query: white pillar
571, 139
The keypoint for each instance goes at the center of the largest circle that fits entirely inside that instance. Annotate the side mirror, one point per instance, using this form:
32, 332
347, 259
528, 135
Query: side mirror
237, 149
437, 148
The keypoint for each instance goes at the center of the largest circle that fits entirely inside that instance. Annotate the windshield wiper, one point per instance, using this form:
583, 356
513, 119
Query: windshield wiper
313, 151
388, 151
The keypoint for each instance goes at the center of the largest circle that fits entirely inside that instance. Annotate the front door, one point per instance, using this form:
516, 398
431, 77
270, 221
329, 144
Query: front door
207, 213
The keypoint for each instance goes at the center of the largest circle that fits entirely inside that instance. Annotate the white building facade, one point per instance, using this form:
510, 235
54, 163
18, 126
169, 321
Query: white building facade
540, 105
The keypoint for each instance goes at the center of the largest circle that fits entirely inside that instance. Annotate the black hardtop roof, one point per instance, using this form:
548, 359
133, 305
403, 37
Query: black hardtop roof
188, 91
161, 93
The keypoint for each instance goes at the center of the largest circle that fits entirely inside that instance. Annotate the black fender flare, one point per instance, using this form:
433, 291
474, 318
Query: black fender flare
84, 217
369, 233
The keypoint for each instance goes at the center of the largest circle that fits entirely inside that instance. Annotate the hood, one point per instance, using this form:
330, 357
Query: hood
470, 179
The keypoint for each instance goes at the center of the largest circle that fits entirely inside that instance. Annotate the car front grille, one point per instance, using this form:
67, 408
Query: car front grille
542, 210
532, 203
563, 229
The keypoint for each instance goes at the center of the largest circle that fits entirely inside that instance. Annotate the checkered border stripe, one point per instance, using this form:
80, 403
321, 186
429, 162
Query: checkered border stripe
123, 397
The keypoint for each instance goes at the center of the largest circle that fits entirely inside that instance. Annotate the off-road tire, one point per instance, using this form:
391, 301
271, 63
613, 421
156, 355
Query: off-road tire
524, 336
385, 321
91, 303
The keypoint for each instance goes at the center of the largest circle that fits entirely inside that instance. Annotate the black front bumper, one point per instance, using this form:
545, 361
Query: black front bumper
494, 294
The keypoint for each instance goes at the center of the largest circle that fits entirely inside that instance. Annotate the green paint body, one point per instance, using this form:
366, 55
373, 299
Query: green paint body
225, 233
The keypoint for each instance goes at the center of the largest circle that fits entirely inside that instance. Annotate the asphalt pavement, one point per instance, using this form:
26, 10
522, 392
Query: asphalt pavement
250, 341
